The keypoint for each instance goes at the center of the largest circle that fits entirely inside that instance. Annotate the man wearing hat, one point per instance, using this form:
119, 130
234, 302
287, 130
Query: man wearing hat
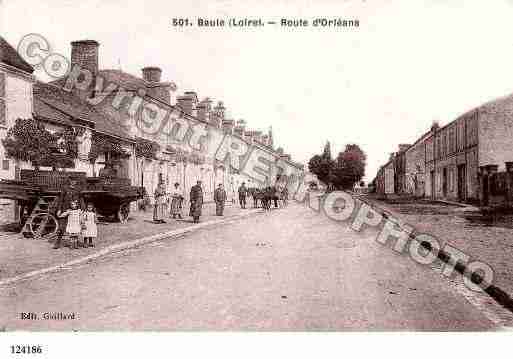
219, 199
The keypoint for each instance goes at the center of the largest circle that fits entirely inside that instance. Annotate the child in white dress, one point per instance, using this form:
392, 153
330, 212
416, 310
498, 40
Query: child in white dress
89, 229
74, 226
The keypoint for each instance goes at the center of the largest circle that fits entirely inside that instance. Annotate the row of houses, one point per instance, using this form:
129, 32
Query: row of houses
103, 113
448, 162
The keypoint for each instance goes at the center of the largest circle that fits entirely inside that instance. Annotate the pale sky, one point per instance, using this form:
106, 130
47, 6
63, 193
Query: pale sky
408, 64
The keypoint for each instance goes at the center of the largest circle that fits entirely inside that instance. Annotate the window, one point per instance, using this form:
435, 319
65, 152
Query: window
5, 165
2, 112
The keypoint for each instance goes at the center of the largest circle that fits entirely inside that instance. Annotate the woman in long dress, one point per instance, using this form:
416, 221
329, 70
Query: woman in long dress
196, 198
176, 202
160, 204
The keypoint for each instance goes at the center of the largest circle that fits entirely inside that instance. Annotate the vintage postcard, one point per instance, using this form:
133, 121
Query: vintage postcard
223, 165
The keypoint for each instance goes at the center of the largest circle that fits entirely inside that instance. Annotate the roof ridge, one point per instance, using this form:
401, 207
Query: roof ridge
10, 56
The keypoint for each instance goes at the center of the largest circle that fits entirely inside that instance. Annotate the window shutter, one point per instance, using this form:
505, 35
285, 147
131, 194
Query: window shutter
2, 85
2, 99
2, 112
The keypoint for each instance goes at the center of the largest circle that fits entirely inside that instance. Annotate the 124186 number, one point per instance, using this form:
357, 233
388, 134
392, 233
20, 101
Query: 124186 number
26, 349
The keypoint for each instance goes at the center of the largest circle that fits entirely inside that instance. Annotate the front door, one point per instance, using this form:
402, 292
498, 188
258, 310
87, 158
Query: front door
462, 183
444, 183
433, 185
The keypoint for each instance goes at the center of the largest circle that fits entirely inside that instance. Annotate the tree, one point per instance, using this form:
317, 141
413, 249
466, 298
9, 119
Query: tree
29, 141
321, 166
349, 167
102, 144
326, 154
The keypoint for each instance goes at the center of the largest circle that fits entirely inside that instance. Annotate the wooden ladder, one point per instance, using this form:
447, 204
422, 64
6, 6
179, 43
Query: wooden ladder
43, 206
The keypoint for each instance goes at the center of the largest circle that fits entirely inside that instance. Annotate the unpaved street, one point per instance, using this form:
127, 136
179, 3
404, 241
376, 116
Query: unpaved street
291, 269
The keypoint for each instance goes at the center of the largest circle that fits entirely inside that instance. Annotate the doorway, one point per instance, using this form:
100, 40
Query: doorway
462, 183
444, 182
433, 184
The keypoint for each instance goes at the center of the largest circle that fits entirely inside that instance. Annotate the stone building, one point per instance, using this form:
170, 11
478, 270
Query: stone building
385, 178
400, 169
415, 168
447, 159
132, 111
16, 81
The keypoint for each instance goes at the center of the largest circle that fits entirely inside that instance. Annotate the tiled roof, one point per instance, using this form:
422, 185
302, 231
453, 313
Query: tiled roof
11, 57
74, 107
44, 110
123, 79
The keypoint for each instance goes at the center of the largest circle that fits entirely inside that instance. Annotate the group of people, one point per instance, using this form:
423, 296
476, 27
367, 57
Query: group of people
175, 202
265, 196
77, 222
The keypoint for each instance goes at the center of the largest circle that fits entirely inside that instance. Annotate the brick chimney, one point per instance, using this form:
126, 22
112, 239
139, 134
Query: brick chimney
228, 126
217, 115
84, 53
248, 136
152, 74
403, 147
265, 140
155, 87
188, 102
391, 156
240, 128
220, 110
257, 136
286, 157
193, 98
201, 111
435, 126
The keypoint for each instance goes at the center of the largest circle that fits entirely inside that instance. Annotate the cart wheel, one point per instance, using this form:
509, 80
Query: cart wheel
123, 212
43, 226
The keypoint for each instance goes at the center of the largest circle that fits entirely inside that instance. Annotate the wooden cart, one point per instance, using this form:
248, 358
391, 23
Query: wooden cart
36, 193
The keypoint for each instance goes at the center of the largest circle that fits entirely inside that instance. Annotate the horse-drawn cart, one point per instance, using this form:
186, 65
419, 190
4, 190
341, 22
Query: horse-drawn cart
36, 193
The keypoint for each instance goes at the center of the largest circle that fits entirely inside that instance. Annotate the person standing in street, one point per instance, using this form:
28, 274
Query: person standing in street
285, 196
255, 193
274, 192
90, 228
196, 198
220, 199
176, 202
73, 223
242, 195
71, 193
160, 204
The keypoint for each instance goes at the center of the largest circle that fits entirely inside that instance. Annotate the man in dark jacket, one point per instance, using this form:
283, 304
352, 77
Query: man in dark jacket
219, 199
196, 198
242, 195
69, 194
274, 192
255, 194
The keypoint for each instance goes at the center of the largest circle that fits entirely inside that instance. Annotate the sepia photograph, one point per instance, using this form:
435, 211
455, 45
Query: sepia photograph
255, 166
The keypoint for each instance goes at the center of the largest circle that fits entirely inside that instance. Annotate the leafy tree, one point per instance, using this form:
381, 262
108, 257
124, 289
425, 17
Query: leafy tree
342, 173
321, 167
103, 144
146, 148
29, 141
349, 167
